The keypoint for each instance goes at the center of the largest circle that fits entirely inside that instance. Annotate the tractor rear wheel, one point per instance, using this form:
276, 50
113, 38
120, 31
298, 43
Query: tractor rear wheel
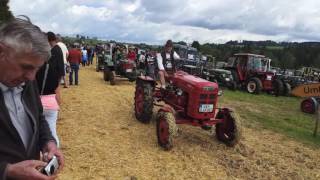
106, 72
229, 131
309, 105
143, 101
278, 87
254, 86
112, 78
166, 129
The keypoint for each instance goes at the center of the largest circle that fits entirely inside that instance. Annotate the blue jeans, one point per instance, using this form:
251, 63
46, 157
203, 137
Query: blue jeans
74, 69
51, 117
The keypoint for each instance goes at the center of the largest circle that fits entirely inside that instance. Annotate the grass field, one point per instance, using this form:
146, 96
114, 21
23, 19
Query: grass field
280, 114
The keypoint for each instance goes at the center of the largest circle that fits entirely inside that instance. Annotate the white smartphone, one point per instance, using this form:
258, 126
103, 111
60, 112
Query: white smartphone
51, 167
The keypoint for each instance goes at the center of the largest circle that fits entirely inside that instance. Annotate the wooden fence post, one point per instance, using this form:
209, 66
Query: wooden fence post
317, 121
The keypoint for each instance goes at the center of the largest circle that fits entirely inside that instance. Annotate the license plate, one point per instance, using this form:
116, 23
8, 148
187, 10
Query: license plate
129, 70
206, 108
227, 79
269, 78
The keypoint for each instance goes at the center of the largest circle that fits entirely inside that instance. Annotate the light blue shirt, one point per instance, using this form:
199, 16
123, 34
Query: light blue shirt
17, 112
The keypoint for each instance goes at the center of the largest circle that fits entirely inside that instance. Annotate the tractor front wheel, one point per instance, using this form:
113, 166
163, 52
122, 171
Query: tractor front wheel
287, 89
143, 101
106, 72
166, 129
278, 87
229, 131
254, 86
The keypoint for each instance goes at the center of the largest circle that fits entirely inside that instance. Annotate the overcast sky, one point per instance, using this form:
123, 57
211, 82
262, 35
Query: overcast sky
154, 21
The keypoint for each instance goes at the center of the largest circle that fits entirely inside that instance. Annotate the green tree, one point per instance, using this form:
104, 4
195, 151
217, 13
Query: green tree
182, 43
287, 60
196, 45
5, 13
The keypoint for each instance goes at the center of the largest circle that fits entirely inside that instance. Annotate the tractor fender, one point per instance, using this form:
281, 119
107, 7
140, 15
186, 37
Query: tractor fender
224, 109
167, 108
146, 79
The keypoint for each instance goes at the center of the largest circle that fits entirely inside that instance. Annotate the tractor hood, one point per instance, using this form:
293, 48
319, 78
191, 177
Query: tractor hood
189, 82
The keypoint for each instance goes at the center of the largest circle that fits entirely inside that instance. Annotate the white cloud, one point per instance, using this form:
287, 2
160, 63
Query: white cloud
188, 20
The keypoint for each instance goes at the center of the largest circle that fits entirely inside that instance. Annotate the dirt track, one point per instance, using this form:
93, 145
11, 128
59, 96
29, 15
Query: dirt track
102, 140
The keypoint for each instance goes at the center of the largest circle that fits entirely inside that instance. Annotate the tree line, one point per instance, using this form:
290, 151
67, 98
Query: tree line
286, 55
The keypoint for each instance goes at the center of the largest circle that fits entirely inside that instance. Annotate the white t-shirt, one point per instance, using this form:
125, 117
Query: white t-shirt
142, 58
64, 50
169, 65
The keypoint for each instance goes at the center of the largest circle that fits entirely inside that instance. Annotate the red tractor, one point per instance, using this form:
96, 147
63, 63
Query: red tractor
252, 72
186, 100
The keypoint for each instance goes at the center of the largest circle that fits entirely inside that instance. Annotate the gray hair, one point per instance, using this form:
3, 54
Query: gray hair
23, 36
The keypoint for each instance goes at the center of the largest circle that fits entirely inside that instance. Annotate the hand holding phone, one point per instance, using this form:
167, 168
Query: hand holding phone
52, 167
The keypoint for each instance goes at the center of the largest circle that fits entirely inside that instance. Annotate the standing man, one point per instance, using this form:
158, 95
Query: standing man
166, 62
84, 56
24, 131
74, 59
48, 78
65, 54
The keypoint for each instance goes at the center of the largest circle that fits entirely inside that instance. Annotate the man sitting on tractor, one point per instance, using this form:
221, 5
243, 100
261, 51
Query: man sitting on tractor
166, 62
132, 56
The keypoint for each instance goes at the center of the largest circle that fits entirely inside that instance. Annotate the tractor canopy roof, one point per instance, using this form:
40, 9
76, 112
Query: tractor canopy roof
249, 54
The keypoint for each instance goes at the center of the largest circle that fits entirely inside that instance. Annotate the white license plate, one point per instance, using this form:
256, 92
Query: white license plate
129, 70
269, 78
206, 108
227, 79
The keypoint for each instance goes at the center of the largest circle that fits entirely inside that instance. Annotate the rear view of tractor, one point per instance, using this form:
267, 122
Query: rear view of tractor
252, 73
186, 100
119, 66
103, 55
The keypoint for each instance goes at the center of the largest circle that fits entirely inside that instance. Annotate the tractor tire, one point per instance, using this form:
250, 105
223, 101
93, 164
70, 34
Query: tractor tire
254, 86
106, 74
166, 129
229, 131
132, 77
287, 89
309, 105
232, 86
278, 87
112, 78
143, 102
235, 76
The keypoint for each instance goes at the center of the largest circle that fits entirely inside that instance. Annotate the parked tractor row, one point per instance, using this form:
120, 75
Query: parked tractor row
243, 71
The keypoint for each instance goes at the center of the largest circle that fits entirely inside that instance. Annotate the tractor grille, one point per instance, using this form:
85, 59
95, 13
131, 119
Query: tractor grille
206, 99
207, 96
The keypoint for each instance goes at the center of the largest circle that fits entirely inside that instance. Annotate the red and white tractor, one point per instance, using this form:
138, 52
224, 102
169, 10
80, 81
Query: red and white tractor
186, 100
252, 72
